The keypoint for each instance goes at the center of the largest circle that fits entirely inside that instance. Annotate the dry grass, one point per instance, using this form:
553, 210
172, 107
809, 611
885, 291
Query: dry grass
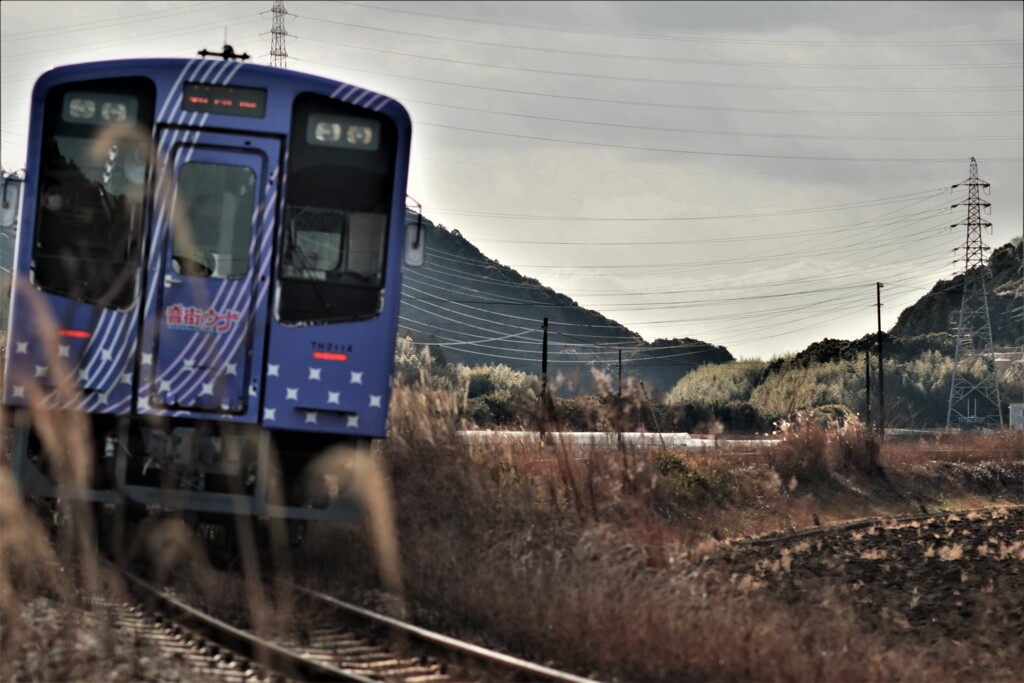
594, 558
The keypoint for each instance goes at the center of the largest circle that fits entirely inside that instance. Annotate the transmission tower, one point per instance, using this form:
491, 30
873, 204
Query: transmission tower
278, 33
974, 397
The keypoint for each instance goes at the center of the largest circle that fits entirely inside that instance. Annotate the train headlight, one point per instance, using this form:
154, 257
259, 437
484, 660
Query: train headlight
359, 136
343, 131
326, 131
81, 108
114, 112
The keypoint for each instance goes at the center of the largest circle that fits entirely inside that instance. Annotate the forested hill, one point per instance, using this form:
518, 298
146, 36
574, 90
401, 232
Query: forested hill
934, 311
475, 311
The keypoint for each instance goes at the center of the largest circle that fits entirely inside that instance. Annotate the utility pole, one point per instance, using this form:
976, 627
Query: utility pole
544, 375
867, 388
974, 330
618, 404
881, 372
278, 36
620, 375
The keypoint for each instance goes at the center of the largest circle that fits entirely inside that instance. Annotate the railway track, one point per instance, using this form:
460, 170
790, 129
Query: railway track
196, 658
346, 643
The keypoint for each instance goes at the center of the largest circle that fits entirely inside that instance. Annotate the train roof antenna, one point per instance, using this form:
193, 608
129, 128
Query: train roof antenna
227, 53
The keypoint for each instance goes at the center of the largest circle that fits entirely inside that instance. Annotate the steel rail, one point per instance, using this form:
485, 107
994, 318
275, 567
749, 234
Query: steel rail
261, 652
447, 642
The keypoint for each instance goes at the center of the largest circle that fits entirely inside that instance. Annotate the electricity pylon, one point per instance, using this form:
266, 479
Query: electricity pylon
974, 399
278, 33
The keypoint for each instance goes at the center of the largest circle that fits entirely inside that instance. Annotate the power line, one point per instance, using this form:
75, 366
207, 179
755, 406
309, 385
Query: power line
78, 27
656, 81
702, 39
717, 217
667, 150
661, 129
659, 104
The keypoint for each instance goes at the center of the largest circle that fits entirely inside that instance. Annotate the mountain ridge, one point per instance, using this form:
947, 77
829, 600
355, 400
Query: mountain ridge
475, 311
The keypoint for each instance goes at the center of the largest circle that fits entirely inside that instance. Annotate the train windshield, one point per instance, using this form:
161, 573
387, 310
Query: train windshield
94, 165
337, 205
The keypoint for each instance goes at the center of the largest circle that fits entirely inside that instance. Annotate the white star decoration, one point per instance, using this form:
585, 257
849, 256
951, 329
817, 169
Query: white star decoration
232, 369
165, 385
40, 371
375, 401
273, 370
63, 351
19, 392
22, 347
207, 389
314, 374
293, 394
189, 364
147, 359
126, 378
106, 355
334, 397
357, 378
83, 374
311, 418
270, 413
353, 421
101, 399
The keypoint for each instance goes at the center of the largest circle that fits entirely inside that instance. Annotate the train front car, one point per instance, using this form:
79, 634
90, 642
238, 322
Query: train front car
208, 270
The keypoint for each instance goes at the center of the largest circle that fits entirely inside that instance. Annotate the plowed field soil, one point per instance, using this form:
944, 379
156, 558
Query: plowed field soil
949, 578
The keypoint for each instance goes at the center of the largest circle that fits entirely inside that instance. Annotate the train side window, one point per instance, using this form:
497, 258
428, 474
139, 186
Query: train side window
92, 187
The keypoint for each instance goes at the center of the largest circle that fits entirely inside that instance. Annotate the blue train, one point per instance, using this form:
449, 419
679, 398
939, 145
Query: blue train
207, 271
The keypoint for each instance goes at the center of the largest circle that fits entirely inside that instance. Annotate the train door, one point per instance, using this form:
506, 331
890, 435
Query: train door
208, 289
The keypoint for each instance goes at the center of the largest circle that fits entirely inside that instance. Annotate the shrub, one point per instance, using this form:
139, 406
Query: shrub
718, 384
491, 379
813, 446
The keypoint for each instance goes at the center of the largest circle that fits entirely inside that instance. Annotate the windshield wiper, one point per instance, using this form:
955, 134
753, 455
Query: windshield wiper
296, 249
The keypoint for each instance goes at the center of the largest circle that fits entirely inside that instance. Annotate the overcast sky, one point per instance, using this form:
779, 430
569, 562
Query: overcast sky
739, 173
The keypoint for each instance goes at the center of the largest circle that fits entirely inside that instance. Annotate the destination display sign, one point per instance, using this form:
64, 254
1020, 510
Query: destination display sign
222, 99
